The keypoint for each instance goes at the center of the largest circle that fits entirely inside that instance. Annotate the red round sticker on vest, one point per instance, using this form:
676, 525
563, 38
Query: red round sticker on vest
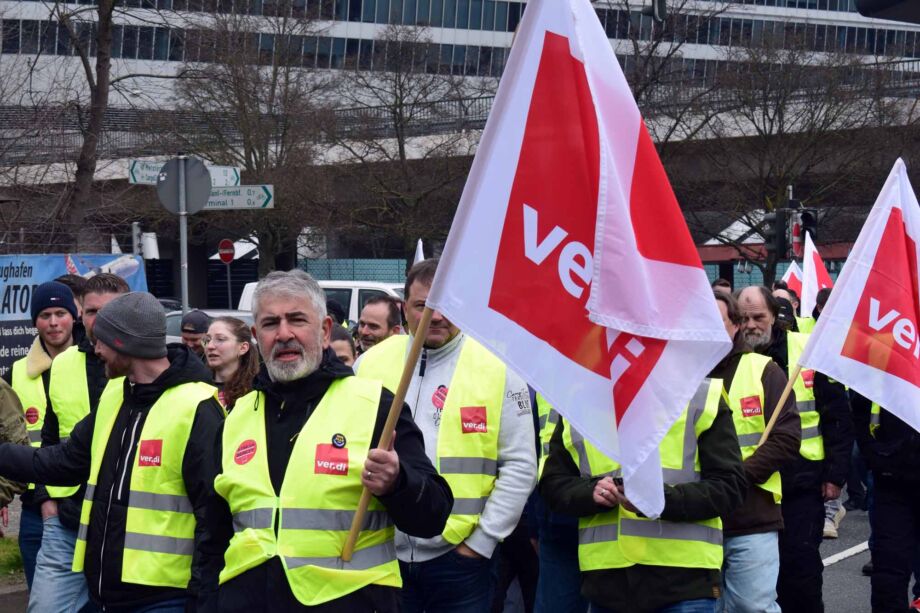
245, 452
439, 397
32, 415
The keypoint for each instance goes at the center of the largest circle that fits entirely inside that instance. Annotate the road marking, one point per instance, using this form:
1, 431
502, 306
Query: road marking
847, 553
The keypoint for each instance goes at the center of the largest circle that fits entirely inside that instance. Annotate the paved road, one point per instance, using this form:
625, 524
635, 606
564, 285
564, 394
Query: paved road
845, 588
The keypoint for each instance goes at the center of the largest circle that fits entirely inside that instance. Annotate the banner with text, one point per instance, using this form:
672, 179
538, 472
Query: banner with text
21, 274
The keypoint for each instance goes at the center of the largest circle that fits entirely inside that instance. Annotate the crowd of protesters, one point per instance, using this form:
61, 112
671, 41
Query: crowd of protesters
223, 473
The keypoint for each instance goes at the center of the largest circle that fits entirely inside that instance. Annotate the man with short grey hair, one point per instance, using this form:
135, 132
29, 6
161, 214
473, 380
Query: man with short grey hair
293, 455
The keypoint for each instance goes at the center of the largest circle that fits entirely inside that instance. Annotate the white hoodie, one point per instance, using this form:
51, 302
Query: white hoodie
517, 463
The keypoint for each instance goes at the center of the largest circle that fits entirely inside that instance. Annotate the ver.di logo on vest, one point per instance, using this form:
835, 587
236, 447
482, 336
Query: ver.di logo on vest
751, 407
150, 453
473, 420
330, 460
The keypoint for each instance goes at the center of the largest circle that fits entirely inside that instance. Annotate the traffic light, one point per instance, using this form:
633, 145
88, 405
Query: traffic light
810, 222
658, 10
774, 233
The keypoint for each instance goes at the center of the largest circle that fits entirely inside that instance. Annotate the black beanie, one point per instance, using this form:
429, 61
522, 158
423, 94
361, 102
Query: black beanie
52, 295
133, 324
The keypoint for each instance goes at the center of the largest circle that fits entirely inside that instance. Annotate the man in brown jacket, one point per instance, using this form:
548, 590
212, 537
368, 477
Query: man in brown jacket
12, 430
753, 386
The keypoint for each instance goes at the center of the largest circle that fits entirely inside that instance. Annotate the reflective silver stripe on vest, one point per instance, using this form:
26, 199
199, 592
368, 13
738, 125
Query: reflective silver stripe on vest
597, 534
805, 406
331, 519
542, 421
687, 473
160, 502
468, 466
545, 449
676, 531
81, 532
875, 419
578, 442
159, 544
749, 440
90, 491
35, 436
808, 433
257, 519
469, 506
83, 529
361, 560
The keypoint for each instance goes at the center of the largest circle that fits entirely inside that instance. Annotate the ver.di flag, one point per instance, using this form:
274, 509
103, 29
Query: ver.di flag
867, 335
793, 279
567, 198
814, 277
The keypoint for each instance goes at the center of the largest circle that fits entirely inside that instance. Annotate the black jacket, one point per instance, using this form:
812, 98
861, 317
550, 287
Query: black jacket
419, 505
642, 588
69, 464
836, 429
69, 508
894, 451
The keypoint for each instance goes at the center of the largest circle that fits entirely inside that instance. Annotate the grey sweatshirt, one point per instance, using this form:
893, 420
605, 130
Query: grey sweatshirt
517, 463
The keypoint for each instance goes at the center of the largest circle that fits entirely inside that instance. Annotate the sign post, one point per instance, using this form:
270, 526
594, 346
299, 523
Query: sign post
226, 251
183, 187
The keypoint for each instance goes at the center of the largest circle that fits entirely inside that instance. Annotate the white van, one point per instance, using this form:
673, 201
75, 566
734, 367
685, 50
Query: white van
352, 295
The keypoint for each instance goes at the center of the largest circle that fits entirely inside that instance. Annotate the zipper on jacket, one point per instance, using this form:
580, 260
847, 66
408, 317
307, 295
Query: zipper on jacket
124, 468
423, 364
108, 510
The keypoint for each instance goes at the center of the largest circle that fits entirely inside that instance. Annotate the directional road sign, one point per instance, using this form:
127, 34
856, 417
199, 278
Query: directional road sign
243, 197
145, 172
224, 176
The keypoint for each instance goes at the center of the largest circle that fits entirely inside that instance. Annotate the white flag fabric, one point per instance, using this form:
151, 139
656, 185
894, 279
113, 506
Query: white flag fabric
115, 246
867, 334
793, 279
567, 198
419, 253
814, 277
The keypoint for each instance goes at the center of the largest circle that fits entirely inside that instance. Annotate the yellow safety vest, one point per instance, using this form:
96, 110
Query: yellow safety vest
548, 418
746, 400
31, 393
875, 418
160, 526
805, 324
317, 501
812, 447
69, 392
467, 448
619, 538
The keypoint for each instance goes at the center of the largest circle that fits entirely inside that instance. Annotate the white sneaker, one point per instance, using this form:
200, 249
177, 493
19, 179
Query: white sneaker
830, 530
839, 515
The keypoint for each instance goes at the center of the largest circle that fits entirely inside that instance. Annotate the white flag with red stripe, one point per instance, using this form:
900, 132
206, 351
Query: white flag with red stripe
567, 199
814, 277
793, 279
867, 334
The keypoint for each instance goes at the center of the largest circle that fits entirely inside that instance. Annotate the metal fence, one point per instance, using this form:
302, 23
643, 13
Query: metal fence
386, 271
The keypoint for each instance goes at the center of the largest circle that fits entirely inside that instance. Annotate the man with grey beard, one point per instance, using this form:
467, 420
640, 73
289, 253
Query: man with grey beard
293, 455
819, 473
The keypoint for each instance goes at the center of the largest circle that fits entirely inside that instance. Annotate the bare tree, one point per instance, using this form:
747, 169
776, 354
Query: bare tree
257, 104
402, 149
790, 117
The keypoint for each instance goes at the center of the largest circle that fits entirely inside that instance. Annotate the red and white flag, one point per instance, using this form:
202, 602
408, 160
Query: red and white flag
567, 199
867, 335
793, 279
814, 279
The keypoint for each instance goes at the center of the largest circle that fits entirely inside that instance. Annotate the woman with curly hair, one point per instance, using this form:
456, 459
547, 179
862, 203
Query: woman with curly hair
232, 357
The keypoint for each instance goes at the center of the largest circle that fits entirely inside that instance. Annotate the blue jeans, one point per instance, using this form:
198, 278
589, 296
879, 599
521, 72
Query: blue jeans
749, 574
174, 605
30, 540
700, 605
559, 583
450, 583
57, 587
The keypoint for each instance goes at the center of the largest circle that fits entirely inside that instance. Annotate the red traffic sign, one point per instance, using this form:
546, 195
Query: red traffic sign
226, 251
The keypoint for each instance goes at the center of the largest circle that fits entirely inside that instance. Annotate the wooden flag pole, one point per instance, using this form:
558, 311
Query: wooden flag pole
399, 397
781, 403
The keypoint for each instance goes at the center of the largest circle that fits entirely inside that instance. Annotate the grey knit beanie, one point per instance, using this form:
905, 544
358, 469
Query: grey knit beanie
133, 324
